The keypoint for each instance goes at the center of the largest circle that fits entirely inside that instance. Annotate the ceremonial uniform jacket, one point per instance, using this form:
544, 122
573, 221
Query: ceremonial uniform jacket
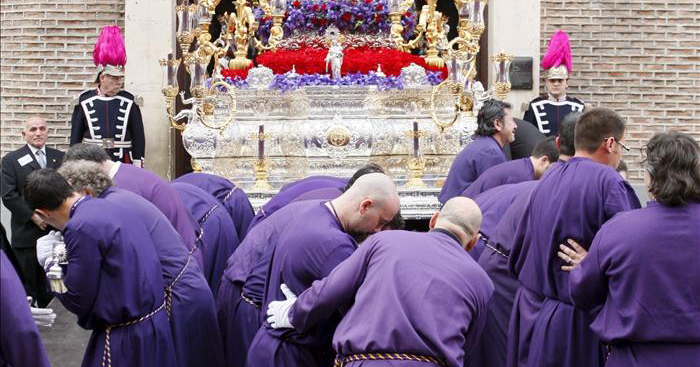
113, 123
546, 114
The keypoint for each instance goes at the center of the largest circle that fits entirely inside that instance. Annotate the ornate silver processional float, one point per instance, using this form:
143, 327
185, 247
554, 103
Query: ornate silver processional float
335, 87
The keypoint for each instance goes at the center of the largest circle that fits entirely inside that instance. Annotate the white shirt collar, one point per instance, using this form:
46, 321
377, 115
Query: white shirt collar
114, 169
551, 98
34, 149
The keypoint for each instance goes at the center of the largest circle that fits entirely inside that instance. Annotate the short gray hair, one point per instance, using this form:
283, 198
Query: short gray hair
83, 174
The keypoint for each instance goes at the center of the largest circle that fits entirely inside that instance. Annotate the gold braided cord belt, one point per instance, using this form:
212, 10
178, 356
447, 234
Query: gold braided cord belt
340, 361
107, 354
167, 302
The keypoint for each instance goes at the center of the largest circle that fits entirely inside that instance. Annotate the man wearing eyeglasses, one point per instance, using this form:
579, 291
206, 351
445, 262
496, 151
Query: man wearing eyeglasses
572, 201
495, 128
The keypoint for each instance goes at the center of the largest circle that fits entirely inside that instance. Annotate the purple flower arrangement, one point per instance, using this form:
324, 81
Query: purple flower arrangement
289, 82
359, 16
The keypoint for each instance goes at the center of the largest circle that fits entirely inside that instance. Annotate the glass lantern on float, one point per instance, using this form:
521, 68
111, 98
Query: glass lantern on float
501, 64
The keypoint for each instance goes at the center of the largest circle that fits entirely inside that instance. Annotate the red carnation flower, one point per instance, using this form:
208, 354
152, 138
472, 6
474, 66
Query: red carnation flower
379, 7
324, 22
315, 7
347, 16
368, 1
296, 4
323, 7
378, 18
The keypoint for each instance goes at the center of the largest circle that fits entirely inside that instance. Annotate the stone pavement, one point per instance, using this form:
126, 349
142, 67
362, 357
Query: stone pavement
65, 341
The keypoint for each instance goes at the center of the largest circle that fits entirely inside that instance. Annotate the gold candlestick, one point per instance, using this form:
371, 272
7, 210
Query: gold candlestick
261, 183
416, 167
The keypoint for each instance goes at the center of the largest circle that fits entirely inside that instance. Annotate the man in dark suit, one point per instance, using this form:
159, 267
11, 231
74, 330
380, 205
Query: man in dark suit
27, 226
526, 137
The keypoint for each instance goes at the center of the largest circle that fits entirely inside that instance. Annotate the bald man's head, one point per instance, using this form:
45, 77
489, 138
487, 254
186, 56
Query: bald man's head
368, 205
462, 217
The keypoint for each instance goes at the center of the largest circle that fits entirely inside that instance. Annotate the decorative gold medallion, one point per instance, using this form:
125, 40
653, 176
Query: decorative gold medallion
338, 136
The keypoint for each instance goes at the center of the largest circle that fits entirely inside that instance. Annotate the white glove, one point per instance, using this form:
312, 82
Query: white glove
138, 163
42, 316
44, 246
278, 311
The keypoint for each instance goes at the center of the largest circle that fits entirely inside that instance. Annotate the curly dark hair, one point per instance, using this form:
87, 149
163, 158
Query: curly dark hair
491, 111
673, 163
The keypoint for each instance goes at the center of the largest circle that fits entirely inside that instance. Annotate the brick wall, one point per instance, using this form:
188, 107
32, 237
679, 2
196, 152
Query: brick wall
640, 57
46, 59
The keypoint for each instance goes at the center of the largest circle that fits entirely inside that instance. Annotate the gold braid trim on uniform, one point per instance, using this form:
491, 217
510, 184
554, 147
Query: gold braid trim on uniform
340, 361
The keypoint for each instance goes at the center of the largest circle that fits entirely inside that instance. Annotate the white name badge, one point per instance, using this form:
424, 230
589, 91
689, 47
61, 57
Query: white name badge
24, 160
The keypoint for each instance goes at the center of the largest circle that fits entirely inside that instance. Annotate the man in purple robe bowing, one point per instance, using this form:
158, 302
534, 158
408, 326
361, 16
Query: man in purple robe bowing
495, 128
20, 341
145, 184
218, 238
502, 208
320, 236
190, 302
572, 201
408, 297
242, 287
493, 203
291, 191
640, 278
519, 170
113, 277
233, 198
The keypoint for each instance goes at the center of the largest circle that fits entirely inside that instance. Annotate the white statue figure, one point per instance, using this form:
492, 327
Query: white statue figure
335, 57
192, 113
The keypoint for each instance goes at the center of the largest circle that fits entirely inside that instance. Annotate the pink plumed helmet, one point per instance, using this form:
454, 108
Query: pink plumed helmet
557, 60
109, 54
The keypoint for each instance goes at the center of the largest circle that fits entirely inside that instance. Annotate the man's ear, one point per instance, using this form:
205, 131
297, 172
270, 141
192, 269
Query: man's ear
43, 214
498, 124
365, 205
433, 220
558, 142
609, 144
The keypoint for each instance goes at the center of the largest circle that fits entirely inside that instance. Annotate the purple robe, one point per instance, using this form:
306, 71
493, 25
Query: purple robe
243, 284
196, 343
572, 200
493, 203
326, 193
642, 282
233, 198
113, 277
491, 348
433, 299
307, 250
153, 188
481, 154
219, 239
20, 341
509, 172
291, 191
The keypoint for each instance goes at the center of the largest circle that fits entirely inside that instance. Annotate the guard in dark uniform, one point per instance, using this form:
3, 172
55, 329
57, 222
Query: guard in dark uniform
546, 113
106, 115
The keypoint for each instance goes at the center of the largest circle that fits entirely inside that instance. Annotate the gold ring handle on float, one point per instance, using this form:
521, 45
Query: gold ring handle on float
465, 102
207, 109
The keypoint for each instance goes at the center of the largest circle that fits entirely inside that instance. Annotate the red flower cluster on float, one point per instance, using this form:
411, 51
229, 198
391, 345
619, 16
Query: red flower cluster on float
356, 60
